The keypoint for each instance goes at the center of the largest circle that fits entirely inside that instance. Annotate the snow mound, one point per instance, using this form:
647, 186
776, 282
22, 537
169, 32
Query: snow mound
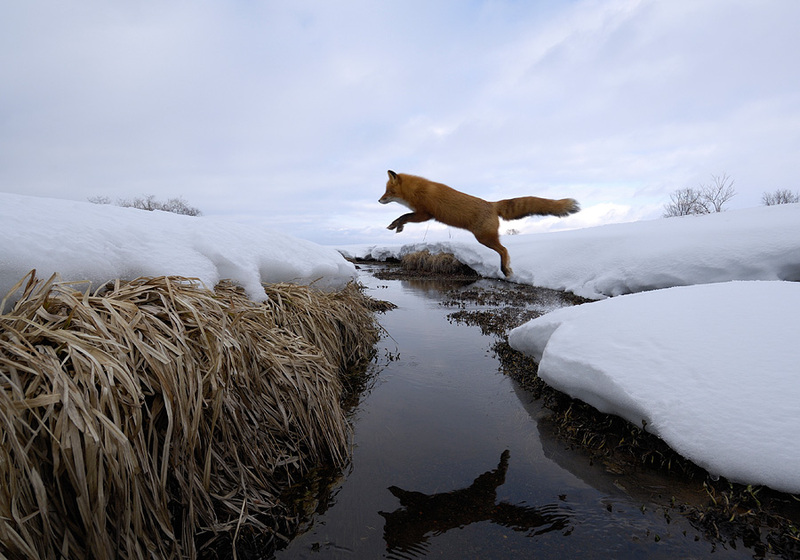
714, 370
84, 241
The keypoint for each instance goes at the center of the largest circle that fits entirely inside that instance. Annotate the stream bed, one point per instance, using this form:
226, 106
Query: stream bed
449, 460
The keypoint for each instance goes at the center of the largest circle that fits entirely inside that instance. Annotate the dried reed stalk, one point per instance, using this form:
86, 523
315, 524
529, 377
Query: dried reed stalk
150, 416
435, 263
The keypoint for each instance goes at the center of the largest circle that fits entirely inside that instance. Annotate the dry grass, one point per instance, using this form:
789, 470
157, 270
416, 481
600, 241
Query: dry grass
438, 263
153, 416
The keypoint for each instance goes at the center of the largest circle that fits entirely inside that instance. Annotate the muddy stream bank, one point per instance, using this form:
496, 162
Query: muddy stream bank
453, 458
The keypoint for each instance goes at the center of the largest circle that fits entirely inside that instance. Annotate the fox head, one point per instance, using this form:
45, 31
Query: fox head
392, 193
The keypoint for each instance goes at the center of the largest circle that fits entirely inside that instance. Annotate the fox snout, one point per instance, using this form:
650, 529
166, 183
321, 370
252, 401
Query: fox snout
391, 189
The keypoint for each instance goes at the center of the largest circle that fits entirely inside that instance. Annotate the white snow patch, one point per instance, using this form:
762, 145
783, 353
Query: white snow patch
84, 241
714, 370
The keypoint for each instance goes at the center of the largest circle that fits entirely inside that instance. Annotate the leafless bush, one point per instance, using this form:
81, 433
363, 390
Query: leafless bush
703, 200
175, 205
718, 192
780, 196
685, 202
99, 199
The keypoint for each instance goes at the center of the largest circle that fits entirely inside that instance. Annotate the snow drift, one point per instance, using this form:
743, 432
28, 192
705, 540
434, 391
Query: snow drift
714, 370
84, 241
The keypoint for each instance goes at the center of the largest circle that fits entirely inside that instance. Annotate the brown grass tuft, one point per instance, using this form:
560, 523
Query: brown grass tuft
151, 417
438, 263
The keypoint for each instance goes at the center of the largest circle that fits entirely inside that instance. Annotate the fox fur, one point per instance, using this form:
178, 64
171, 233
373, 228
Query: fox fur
435, 201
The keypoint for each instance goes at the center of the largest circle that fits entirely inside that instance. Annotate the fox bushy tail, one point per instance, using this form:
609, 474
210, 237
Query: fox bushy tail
524, 206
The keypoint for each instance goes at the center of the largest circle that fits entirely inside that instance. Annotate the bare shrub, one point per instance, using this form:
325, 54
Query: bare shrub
99, 199
718, 192
703, 200
780, 196
175, 205
685, 202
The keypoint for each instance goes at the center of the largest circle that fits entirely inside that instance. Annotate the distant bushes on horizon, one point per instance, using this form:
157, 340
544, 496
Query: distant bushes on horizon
710, 198
703, 200
780, 196
175, 205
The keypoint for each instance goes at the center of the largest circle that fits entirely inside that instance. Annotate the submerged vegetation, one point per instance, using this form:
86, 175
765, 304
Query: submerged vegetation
157, 418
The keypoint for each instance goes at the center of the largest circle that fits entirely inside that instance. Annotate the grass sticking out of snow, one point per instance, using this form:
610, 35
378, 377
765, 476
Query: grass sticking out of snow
435, 263
152, 417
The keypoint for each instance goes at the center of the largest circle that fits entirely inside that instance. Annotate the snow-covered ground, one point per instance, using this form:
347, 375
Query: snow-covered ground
712, 367
84, 241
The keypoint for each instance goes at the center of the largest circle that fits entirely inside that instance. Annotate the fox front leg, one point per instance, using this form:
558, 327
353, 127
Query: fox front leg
400, 222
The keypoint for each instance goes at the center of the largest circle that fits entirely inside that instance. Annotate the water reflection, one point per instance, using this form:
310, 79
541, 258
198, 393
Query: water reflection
408, 528
439, 407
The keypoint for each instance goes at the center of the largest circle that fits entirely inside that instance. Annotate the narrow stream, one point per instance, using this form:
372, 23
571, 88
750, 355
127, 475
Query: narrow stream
449, 462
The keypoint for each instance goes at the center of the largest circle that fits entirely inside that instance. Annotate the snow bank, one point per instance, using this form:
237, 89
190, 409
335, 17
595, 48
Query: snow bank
84, 241
714, 370
754, 244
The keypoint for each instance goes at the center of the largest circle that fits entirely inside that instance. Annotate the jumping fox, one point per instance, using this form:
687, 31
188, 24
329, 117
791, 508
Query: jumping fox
428, 200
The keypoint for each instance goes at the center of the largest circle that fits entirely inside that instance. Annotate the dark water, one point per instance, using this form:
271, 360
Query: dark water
450, 462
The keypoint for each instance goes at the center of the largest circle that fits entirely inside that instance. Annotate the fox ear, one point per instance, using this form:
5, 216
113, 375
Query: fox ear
392, 175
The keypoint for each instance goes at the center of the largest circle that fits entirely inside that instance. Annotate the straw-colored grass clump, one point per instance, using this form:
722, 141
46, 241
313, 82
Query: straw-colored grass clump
151, 417
435, 263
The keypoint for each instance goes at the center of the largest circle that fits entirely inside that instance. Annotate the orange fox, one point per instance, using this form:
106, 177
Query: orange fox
428, 200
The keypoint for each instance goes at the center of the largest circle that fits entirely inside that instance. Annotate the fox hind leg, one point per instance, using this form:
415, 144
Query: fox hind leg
492, 240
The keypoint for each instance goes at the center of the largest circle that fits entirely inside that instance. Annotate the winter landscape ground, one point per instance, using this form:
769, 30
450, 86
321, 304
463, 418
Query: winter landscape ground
695, 336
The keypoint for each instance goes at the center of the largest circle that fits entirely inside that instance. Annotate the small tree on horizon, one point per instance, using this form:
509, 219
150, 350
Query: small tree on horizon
704, 200
780, 196
718, 192
684, 202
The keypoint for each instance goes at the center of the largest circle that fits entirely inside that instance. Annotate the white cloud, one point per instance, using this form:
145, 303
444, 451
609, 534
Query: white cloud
291, 112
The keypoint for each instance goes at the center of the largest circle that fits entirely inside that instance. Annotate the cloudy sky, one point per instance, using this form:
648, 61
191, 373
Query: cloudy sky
289, 113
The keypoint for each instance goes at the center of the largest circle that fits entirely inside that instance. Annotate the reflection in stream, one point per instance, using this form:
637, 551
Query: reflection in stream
408, 528
437, 415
